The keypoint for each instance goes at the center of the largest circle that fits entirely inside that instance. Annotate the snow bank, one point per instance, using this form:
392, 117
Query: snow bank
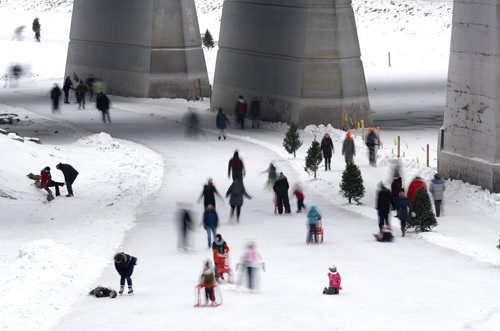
42, 277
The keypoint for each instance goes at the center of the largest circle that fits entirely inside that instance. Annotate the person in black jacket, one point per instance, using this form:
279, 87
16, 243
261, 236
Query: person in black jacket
102, 103
70, 175
124, 264
208, 194
384, 203
68, 85
327, 150
403, 207
55, 96
280, 187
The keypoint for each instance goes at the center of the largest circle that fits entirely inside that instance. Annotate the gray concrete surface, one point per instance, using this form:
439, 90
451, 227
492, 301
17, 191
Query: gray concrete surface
470, 139
147, 48
300, 58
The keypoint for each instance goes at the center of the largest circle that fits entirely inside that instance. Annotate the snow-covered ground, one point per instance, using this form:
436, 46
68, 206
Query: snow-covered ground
126, 199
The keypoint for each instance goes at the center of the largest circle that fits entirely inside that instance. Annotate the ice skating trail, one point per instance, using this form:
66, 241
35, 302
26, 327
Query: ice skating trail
411, 284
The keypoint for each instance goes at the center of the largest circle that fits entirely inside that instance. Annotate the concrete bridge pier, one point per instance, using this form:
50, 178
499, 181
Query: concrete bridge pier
146, 48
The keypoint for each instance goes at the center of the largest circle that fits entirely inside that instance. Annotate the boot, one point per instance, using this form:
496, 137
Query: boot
50, 197
121, 290
130, 290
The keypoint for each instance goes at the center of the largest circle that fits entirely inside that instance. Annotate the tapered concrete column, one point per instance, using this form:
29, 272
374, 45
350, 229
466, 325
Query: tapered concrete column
146, 48
301, 58
470, 138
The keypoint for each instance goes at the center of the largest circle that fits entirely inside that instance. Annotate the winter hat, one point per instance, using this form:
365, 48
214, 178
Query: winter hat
220, 109
436, 176
332, 268
120, 257
348, 134
46, 169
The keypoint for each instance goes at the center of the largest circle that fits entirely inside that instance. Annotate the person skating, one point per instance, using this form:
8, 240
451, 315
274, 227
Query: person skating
236, 166
103, 292
385, 234
313, 216
46, 182
55, 97
437, 188
271, 175
384, 204
185, 225
327, 150
334, 281
348, 148
403, 210
207, 279
240, 111
255, 112
81, 91
251, 260
299, 195
280, 187
103, 104
208, 194
236, 192
210, 223
396, 185
221, 121
372, 141
68, 85
221, 251
70, 175
124, 265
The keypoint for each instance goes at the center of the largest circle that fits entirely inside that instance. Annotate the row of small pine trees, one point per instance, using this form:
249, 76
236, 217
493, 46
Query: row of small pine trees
351, 185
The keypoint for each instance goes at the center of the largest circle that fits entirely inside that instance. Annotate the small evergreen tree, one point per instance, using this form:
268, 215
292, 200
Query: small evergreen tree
208, 40
292, 140
313, 158
37, 28
424, 218
351, 185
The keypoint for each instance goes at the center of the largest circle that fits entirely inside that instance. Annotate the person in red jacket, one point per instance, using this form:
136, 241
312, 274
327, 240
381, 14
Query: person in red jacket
334, 281
46, 182
237, 167
299, 194
415, 184
221, 251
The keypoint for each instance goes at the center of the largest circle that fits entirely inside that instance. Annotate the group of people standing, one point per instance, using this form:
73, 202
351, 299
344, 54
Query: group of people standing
91, 86
397, 199
241, 110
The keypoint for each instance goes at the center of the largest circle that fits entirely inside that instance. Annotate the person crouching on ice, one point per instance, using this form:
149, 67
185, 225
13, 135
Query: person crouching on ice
208, 281
335, 279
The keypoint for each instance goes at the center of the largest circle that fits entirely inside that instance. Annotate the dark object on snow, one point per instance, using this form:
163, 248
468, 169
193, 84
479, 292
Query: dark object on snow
102, 292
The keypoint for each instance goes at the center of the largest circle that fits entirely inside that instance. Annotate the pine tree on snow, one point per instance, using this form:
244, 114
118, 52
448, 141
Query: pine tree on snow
208, 40
313, 158
424, 218
292, 141
351, 185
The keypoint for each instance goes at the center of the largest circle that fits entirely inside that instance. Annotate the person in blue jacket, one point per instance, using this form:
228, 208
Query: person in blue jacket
221, 121
403, 210
312, 219
210, 223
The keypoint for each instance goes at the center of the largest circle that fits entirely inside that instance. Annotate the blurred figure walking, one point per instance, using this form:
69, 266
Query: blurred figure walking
103, 104
55, 96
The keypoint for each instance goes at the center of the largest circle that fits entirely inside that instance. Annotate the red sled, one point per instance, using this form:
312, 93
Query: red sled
214, 299
222, 267
319, 231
